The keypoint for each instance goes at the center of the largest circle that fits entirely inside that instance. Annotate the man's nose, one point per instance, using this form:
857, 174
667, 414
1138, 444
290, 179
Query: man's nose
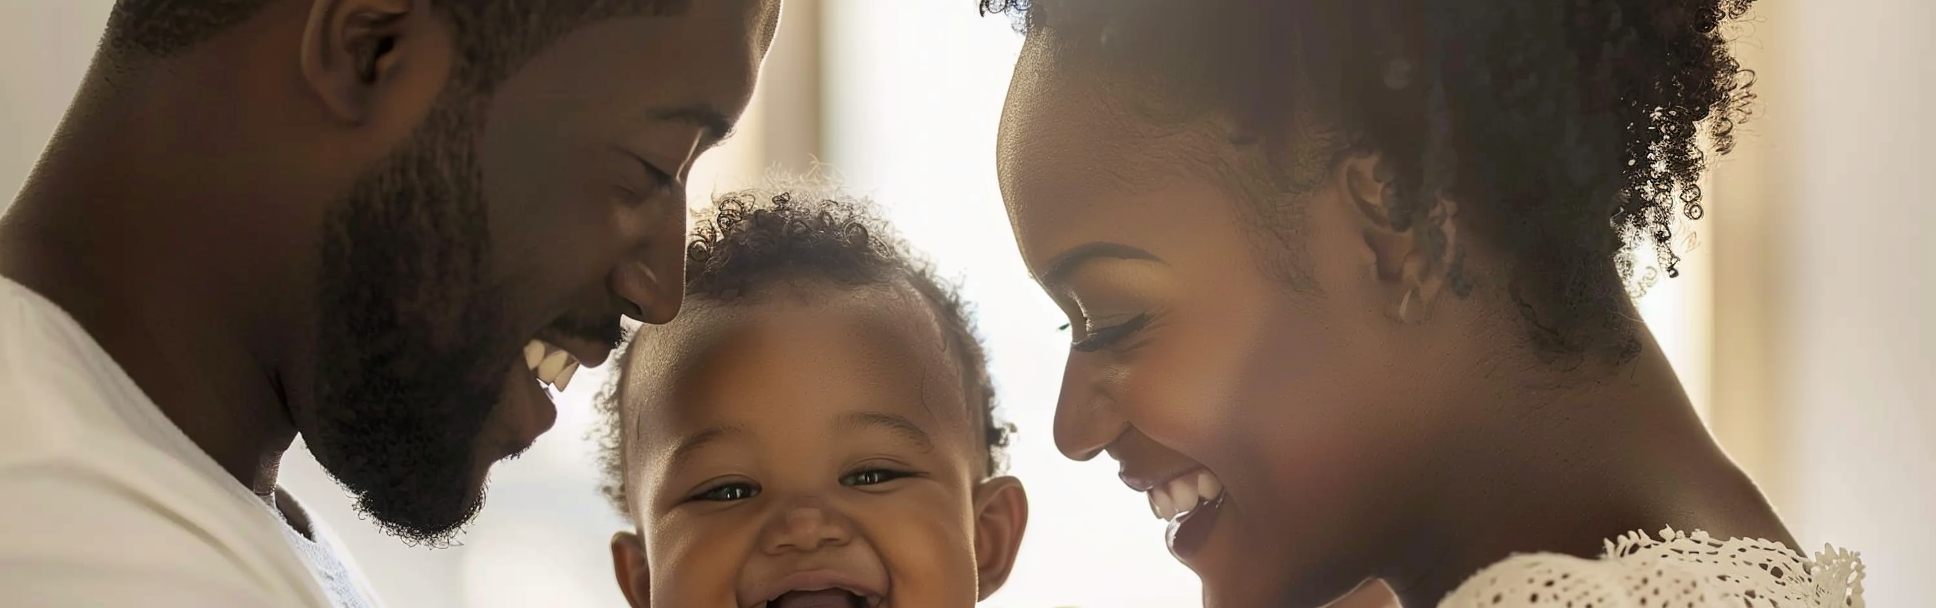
652, 273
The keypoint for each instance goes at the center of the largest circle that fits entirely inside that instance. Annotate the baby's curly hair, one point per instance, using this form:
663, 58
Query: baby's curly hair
1568, 131
754, 239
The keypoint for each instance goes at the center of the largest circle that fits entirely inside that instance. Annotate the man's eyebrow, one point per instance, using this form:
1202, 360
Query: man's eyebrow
716, 125
692, 443
898, 425
1059, 268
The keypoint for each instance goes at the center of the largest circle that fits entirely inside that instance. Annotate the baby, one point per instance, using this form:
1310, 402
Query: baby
815, 429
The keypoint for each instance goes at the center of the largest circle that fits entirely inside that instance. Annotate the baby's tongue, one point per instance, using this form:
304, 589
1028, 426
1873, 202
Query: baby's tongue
825, 598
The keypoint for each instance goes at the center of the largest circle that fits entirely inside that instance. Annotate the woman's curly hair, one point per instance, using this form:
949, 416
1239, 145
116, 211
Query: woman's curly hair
751, 240
1569, 132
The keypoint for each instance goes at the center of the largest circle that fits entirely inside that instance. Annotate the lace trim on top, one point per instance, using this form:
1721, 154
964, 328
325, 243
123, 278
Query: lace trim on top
1680, 570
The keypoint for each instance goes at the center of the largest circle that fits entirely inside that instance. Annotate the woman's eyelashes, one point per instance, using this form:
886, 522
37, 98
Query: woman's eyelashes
1109, 336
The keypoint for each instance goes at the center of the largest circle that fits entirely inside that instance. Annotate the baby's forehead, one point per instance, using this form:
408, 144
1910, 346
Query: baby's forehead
801, 353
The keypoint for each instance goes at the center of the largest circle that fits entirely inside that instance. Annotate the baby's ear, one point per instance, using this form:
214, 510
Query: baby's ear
1001, 514
628, 565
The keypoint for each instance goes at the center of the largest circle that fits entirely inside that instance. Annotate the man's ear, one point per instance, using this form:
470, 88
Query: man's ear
376, 61
628, 565
1406, 269
1001, 515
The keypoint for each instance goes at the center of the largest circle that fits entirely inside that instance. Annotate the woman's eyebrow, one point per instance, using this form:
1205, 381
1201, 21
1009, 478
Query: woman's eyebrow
1059, 267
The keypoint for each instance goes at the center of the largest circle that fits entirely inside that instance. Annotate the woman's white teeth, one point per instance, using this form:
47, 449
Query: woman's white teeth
1184, 494
551, 364
1160, 502
1208, 486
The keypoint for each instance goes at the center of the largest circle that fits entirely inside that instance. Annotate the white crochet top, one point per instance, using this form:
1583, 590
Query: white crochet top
1680, 570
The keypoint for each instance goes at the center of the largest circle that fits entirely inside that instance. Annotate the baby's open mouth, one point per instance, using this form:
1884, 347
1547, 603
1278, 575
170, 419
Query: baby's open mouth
823, 598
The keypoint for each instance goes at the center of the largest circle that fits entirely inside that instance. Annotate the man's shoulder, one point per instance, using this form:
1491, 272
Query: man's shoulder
99, 501
102, 527
54, 380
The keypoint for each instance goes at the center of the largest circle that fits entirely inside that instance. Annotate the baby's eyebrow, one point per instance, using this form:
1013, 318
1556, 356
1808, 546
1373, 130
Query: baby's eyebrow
899, 425
692, 443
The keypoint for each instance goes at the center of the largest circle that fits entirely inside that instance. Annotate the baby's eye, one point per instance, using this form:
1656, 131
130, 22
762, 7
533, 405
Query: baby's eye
729, 492
872, 476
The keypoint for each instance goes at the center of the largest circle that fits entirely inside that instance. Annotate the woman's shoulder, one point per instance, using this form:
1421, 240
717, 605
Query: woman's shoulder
1674, 570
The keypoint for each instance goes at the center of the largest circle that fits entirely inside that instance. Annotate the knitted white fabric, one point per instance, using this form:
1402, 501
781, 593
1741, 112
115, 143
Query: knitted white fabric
1679, 570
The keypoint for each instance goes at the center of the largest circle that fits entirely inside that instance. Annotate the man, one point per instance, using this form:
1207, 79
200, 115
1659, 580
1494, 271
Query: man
384, 225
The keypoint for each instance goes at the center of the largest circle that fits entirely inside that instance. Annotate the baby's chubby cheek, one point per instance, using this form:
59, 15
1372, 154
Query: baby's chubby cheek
695, 565
930, 558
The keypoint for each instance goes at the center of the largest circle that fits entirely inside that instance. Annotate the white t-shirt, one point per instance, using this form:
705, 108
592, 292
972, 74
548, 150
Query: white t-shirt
104, 502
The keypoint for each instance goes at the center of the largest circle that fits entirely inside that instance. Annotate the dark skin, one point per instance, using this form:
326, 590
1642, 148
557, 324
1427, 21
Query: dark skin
1356, 435
820, 429
180, 214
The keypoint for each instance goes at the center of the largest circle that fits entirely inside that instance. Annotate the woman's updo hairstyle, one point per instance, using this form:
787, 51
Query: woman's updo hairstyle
1569, 132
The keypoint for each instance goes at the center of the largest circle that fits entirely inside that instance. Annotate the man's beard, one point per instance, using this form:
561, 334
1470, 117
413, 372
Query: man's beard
407, 326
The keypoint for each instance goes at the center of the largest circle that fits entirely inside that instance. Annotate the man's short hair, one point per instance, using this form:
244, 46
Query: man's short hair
494, 37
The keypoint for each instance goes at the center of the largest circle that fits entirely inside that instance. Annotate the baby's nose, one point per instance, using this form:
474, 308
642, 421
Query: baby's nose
809, 526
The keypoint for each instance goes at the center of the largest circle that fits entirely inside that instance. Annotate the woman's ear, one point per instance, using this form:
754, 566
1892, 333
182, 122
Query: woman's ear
1409, 261
628, 565
1001, 515
375, 60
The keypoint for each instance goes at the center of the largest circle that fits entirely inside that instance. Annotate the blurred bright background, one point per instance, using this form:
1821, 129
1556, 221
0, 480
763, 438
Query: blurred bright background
1801, 323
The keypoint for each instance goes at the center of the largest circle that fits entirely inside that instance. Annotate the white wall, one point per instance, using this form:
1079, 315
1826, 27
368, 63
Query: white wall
1856, 120
44, 49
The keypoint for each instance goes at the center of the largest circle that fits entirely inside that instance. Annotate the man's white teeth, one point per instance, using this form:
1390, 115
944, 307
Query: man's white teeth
564, 377
552, 365
533, 354
1184, 494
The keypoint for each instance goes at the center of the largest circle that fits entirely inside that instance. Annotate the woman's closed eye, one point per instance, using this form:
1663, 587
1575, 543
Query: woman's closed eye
1105, 337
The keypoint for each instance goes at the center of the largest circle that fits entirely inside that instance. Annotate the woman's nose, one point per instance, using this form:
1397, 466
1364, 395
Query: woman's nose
806, 527
1086, 420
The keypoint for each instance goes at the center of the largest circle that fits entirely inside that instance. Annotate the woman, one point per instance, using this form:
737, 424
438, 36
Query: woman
1348, 284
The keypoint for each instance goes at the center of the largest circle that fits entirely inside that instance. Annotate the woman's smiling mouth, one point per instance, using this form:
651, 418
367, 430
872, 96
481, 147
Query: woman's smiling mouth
1189, 501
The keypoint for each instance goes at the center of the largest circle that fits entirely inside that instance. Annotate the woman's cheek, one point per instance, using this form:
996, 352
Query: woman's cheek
1186, 385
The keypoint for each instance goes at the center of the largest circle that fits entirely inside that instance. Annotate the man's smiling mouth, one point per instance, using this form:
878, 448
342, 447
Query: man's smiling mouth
552, 365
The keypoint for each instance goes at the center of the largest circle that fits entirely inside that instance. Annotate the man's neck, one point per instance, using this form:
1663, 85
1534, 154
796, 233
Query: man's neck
124, 258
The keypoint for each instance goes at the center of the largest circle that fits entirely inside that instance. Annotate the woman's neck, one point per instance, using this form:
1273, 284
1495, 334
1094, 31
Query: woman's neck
1621, 451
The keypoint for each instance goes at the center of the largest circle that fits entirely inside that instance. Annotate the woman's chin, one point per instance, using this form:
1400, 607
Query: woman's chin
1242, 566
